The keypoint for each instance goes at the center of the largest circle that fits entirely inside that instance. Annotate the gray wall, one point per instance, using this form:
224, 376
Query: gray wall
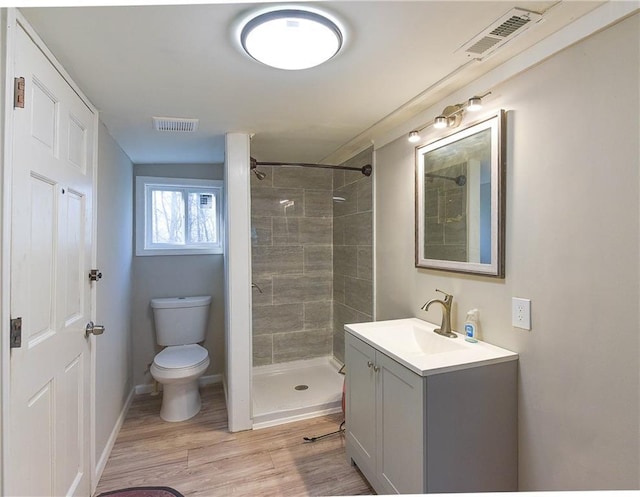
352, 248
291, 230
572, 247
176, 276
113, 291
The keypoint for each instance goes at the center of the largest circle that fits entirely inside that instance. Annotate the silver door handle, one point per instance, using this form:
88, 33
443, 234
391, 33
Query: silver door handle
93, 329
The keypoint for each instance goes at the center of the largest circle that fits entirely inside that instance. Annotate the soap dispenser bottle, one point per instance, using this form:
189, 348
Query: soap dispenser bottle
471, 326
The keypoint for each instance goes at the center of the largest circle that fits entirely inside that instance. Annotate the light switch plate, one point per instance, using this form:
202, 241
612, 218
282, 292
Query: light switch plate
521, 313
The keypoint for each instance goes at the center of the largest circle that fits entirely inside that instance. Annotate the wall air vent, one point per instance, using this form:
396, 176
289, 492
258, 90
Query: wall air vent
175, 124
499, 33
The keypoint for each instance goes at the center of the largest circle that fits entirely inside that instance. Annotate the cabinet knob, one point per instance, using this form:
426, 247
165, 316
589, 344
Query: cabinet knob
376, 368
369, 364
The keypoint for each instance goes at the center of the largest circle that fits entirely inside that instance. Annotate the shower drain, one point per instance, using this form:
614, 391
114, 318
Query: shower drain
301, 387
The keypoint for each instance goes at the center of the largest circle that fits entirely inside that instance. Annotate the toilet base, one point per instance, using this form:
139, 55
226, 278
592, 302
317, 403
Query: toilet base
180, 401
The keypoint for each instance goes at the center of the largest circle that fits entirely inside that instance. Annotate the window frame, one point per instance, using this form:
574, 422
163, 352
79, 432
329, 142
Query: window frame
144, 222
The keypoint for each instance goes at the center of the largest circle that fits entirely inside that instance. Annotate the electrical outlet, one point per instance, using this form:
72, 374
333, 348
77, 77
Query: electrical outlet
521, 313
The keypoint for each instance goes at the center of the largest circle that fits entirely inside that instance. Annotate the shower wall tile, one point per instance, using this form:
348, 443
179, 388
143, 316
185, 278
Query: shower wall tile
365, 263
338, 231
318, 259
353, 251
338, 288
344, 315
277, 260
301, 345
302, 288
345, 259
318, 315
318, 203
286, 230
365, 195
266, 296
358, 229
358, 294
271, 319
316, 231
294, 231
338, 344
303, 177
261, 230
262, 350
353, 176
277, 202
350, 203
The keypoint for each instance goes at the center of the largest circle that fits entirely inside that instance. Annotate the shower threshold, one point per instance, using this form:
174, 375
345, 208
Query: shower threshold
297, 390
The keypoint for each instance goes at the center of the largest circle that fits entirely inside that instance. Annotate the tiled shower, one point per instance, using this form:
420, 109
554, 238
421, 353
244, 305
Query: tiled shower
311, 259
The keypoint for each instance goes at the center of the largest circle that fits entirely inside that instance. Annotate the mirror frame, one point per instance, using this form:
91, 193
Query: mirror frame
496, 123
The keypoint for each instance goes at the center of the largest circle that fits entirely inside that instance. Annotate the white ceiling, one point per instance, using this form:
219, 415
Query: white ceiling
182, 61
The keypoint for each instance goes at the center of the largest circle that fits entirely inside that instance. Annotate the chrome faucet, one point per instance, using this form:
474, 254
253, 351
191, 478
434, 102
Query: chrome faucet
445, 327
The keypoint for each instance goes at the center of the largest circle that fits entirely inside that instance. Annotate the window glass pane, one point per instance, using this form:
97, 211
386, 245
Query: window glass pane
202, 218
167, 217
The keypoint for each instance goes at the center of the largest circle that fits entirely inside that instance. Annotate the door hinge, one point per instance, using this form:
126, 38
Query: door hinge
16, 333
18, 93
95, 275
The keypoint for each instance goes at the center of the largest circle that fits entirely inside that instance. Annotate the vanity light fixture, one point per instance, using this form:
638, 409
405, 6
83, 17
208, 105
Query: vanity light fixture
451, 116
291, 38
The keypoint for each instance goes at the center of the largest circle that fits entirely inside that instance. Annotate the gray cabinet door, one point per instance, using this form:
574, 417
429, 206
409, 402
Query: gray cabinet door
400, 428
361, 406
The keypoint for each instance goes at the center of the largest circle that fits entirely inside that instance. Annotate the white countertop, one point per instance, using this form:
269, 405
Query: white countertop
413, 344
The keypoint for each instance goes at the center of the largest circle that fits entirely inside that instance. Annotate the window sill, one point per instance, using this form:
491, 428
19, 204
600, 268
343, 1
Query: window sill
152, 252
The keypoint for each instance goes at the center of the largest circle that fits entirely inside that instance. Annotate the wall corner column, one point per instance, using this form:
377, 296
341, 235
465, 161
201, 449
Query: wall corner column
238, 345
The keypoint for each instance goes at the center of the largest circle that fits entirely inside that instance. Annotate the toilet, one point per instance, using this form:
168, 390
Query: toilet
180, 324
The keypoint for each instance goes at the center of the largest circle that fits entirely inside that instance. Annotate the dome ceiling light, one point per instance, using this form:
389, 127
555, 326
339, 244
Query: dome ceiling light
291, 38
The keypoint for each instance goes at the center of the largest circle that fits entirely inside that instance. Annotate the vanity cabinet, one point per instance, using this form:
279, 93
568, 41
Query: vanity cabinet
455, 431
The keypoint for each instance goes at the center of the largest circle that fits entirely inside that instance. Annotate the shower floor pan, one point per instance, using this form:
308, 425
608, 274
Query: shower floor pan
297, 390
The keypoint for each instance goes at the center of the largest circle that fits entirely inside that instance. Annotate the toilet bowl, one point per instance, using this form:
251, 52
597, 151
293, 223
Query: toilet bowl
178, 369
180, 325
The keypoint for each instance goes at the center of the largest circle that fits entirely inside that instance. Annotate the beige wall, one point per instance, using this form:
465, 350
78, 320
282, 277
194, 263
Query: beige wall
176, 276
572, 247
113, 291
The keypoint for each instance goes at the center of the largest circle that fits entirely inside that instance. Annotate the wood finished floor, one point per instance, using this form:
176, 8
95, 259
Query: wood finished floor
200, 457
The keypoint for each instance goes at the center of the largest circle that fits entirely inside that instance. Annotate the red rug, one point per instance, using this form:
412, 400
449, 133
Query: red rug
143, 492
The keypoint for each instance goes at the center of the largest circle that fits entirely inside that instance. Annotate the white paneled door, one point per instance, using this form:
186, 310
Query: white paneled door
49, 418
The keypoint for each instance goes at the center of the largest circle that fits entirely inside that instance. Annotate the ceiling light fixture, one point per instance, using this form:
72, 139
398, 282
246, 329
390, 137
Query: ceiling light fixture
451, 116
291, 38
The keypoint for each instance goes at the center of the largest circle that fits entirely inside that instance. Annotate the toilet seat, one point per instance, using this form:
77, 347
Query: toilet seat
181, 357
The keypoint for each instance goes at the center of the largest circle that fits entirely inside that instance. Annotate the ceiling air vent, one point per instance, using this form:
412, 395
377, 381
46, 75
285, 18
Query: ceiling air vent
499, 33
175, 124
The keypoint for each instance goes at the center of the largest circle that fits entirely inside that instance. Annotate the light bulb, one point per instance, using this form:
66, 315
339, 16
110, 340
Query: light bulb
440, 122
414, 136
474, 103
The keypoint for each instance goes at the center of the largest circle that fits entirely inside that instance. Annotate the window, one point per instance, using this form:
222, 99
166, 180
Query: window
178, 216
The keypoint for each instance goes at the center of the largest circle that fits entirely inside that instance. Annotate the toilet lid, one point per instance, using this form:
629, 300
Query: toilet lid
181, 356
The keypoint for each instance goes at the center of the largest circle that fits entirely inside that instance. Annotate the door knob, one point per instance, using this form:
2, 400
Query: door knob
93, 329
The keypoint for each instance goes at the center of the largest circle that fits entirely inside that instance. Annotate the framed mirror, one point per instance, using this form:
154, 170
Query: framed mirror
460, 200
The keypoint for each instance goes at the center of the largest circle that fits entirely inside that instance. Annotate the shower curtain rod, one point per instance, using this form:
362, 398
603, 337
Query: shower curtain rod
366, 170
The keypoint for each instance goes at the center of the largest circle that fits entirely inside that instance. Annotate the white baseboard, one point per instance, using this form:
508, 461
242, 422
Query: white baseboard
203, 381
104, 457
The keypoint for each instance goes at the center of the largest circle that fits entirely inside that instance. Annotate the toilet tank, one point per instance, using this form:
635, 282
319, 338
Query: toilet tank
180, 320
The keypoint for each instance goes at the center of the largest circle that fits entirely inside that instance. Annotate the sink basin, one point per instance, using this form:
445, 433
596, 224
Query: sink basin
413, 338
413, 343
